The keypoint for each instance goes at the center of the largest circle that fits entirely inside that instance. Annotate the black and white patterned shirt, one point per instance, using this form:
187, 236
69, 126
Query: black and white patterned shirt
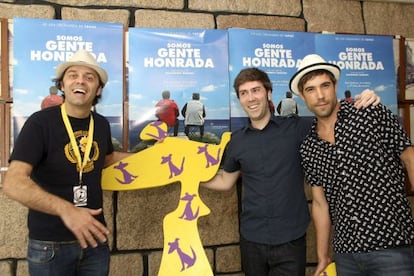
363, 179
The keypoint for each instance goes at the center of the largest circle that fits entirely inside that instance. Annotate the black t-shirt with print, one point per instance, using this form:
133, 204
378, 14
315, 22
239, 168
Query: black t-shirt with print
44, 143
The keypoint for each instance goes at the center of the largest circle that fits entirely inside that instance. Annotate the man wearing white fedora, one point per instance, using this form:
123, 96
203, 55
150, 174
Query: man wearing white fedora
265, 155
354, 160
55, 170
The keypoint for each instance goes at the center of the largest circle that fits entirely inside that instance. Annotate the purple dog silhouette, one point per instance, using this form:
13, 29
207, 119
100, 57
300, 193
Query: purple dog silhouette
184, 258
188, 212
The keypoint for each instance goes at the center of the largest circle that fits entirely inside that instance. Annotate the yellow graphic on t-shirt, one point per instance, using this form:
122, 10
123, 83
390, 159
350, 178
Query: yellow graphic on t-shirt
81, 137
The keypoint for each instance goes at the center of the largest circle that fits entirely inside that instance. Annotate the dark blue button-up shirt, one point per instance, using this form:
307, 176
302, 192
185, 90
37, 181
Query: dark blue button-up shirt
274, 206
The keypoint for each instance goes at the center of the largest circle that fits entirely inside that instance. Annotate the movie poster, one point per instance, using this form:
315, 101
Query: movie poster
4, 98
366, 62
2, 35
185, 62
409, 69
40, 44
278, 53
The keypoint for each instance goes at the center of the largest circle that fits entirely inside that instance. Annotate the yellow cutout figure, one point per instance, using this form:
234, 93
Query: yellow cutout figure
170, 160
330, 270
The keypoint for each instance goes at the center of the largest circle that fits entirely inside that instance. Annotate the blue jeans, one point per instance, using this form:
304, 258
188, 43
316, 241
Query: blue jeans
48, 258
287, 259
397, 261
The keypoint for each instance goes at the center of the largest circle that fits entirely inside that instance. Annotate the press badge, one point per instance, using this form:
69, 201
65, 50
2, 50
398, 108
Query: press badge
80, 195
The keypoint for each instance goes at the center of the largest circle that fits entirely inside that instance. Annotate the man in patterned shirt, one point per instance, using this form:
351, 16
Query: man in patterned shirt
354, 160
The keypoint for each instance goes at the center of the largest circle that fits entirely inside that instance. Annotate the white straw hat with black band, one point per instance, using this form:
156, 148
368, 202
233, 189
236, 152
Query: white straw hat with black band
311, 63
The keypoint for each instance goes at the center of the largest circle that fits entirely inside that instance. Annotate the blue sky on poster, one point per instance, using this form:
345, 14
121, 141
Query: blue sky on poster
182, 61
286, 49
40, 44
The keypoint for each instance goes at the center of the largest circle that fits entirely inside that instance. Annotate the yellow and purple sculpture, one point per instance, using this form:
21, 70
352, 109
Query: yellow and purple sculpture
170, 160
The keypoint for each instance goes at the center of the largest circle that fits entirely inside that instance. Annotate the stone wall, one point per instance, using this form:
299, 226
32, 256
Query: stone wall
135, 217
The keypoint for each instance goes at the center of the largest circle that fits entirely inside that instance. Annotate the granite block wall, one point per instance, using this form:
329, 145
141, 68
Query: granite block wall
134, 217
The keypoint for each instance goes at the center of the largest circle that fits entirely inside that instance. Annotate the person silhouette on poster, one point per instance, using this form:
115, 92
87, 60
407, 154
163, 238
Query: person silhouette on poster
348, 98
52, 99
194, 113
167, 111
287, 106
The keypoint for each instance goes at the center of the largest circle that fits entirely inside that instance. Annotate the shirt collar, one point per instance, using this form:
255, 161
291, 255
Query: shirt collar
343, 112
277, 120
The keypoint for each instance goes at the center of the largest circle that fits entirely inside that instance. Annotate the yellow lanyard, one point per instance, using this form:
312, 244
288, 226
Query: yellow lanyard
81, 163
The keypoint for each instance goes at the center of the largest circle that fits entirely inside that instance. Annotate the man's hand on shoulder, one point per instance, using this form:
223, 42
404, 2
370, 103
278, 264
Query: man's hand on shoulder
367, 98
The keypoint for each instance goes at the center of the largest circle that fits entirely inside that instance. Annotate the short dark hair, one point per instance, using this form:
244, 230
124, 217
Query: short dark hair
196, 96
165, 94
252, 74
313, 74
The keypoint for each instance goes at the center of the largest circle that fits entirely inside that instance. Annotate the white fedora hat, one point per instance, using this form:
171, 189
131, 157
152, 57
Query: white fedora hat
83, 58
311, 63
